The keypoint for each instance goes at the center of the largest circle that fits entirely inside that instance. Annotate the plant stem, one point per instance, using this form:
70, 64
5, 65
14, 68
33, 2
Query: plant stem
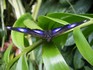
71, 6
26, 50
36, 9
2, 20
18, 7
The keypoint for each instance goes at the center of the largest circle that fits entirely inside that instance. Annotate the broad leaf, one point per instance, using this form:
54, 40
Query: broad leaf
17, 37
53, 60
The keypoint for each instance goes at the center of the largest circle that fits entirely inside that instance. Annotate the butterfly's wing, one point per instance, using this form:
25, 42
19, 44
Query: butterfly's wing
60, 30
46, 34
33, 32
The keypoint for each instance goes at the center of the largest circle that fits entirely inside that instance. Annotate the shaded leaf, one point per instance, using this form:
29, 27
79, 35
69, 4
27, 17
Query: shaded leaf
78, 62
81, 6
87, 68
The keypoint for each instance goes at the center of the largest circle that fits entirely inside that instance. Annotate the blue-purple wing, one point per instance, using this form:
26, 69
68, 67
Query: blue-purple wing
60, 30
33, 32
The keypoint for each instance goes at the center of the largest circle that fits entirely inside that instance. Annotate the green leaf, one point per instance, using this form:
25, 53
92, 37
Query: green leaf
55, 20
60, 40
17, 37
45, 23
69, 17
52, 58
89, 15
83, 46
31, 24
22, 63
88, 31
7, 53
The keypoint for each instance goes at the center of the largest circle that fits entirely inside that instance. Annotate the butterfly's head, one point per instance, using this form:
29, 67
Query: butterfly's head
48, 36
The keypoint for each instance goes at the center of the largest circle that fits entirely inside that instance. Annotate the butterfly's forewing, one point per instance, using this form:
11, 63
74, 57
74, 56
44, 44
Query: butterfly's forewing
33, 32
60, 30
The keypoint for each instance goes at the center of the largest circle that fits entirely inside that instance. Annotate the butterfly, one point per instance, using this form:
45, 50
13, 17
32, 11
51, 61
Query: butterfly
46, 34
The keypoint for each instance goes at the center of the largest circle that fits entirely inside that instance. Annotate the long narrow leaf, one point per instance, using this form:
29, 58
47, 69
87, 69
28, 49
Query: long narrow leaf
7, 53
83, 46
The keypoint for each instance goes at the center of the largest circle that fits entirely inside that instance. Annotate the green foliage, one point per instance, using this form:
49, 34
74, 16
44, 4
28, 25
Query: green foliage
47, 57
71, 6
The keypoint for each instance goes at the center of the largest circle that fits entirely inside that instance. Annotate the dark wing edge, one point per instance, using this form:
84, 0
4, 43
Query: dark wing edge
33, 32
62, 29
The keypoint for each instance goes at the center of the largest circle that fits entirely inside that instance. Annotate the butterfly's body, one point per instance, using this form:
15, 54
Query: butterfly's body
47, 34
